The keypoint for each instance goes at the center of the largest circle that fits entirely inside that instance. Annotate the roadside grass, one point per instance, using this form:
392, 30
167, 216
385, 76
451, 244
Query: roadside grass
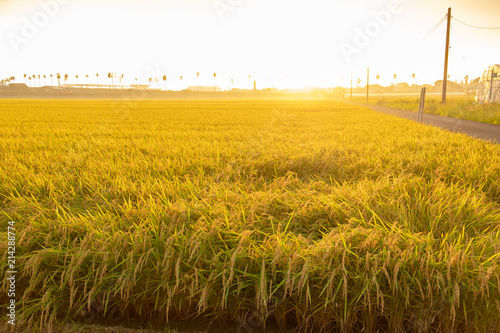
313, 214
461, 107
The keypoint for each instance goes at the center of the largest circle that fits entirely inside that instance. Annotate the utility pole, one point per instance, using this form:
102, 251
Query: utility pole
445, 76
493, 76
367, 83
351, 86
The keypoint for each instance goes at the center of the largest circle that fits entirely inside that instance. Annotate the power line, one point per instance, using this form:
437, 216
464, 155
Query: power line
435, 27
476, 27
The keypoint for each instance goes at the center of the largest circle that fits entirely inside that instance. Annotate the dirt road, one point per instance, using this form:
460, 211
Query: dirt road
475, 129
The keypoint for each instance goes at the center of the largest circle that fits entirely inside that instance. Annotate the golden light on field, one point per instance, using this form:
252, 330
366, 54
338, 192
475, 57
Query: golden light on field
160, 211
150, 180
280, 43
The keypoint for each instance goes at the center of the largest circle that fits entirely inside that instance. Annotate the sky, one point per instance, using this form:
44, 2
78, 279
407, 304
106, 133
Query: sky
278, 43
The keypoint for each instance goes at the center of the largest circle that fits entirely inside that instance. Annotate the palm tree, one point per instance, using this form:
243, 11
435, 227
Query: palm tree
164, 81
59, 79
66, 76
87, 77
29, 78
25, 79
51, 81
215, 87
34, 83
76, 76
39, 83
110, 76
395, 76
97, 75
45, 80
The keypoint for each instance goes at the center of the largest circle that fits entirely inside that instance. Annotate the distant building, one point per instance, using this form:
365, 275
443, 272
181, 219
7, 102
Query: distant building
488, 88
140, 86
94, 86
52, 89
376, 88
450, 87
204, 88
18, 86
58, 90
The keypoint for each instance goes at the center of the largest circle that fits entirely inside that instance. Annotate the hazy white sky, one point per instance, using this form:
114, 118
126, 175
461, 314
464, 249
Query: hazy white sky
278, 42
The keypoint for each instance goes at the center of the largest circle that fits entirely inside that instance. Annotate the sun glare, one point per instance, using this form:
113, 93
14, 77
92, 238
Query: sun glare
278, 43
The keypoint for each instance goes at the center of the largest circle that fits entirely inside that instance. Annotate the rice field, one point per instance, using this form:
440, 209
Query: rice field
309, 215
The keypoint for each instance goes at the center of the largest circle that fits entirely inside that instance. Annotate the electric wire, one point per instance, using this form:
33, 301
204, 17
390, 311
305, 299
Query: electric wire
435, 27
476, 27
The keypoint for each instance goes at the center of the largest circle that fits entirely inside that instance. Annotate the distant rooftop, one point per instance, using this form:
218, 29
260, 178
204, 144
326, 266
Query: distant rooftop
18, 86
204, 88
